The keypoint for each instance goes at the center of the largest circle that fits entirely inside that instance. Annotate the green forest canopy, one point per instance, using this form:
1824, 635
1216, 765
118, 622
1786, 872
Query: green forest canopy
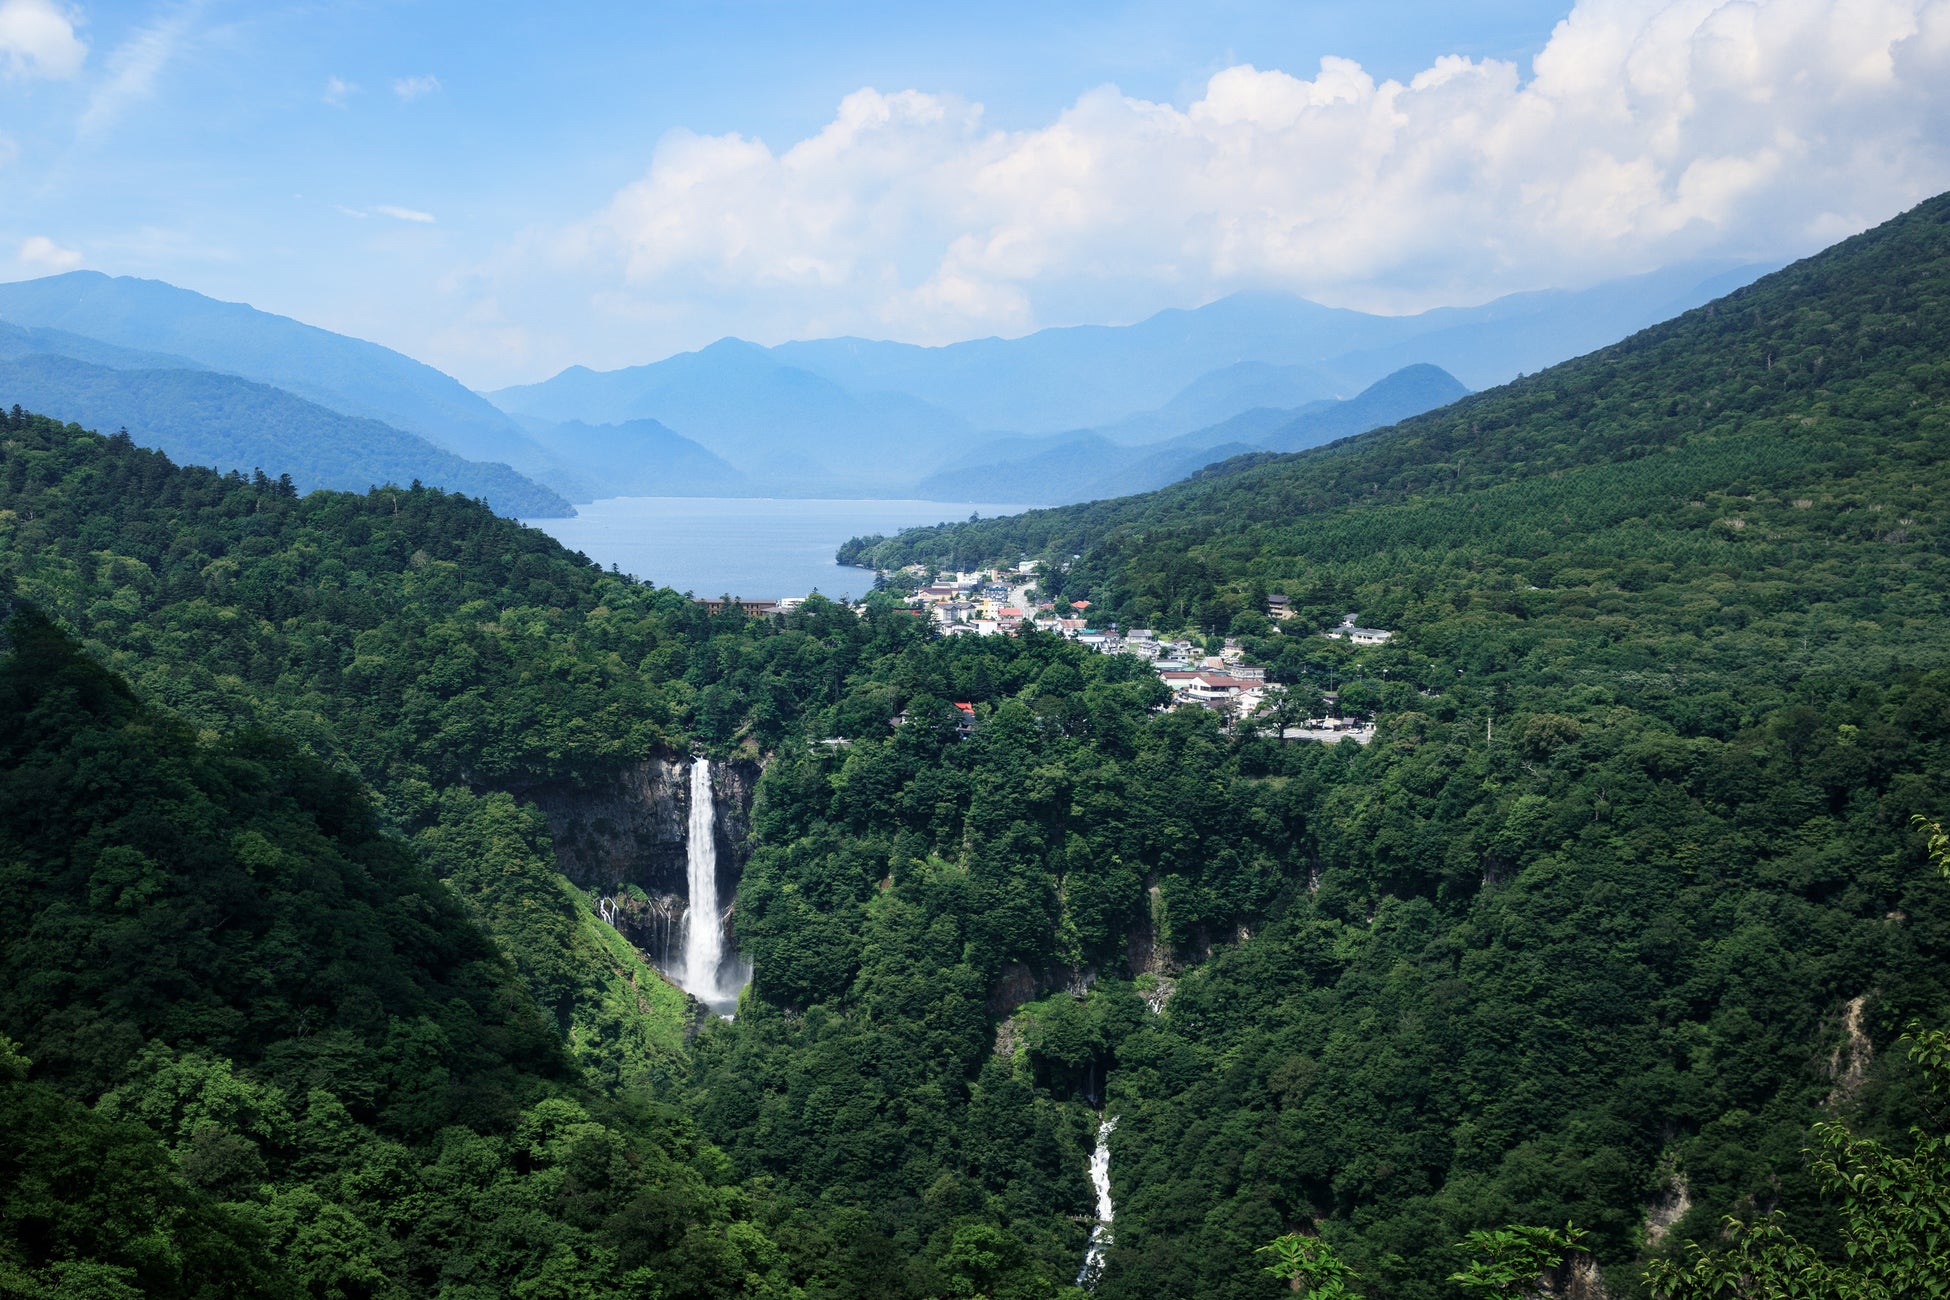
1570, 965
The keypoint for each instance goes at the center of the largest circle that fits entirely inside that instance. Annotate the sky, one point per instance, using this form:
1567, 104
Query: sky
503, 190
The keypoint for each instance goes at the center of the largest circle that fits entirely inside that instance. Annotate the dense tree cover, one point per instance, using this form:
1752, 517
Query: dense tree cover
1621, 899
273, 1056
1669, 682
206, 418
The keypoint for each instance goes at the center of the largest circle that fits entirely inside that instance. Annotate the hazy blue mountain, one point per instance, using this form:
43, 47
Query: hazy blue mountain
1527, 332
1221, 394
1409, 391
29, 341
342, 374
1087, 466
1089, 376
788, 430
1173, 373
202, 417
1096, 376
637, 458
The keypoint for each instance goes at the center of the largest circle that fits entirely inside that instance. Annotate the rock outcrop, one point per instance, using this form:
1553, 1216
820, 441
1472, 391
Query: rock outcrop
624, 839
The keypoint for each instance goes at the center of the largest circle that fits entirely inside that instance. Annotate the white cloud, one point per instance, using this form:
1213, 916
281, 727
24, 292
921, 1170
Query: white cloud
1648, 131
403, 214
338, 90
411, 88
134, 66
43, 254
37, 40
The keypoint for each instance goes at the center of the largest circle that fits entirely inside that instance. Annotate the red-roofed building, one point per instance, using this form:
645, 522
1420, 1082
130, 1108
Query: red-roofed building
1079, 604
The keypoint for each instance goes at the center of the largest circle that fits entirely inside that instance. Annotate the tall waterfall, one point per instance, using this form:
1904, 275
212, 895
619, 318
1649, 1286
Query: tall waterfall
1093, 1255
704, 975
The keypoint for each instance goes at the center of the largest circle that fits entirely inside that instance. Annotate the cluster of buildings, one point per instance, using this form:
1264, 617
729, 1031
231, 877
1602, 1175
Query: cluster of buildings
988, 603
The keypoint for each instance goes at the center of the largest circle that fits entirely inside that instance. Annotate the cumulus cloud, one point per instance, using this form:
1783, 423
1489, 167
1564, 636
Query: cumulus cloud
411, 88
37, 40
1647, 131
43, 254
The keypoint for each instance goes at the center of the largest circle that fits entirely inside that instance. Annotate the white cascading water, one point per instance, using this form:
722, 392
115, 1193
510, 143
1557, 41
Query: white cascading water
706, 974
703, 921
1093, 1256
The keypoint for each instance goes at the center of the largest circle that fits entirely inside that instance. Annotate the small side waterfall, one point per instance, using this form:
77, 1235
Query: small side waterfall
1093, 1255
703, 974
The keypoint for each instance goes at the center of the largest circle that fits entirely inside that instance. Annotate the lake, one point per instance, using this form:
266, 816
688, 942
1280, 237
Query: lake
757, 548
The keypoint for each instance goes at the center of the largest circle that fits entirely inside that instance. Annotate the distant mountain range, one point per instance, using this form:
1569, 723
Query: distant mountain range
1067, 468
201, 417
831, 415
1060, 415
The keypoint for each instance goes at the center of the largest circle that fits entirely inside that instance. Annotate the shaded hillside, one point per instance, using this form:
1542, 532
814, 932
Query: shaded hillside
270, 1037
206, 418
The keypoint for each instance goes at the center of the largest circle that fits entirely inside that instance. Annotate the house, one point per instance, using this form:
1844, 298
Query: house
1079, 604
964, 719
1248, 672
1349, 632
1215, 686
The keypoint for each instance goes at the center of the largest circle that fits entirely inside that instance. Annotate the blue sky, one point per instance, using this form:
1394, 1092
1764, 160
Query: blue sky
506, 189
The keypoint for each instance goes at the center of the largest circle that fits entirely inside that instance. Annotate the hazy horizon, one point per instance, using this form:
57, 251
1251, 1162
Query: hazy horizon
614, 186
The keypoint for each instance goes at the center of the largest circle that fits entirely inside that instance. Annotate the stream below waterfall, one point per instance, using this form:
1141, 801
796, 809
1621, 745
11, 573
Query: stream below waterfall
1093, 1255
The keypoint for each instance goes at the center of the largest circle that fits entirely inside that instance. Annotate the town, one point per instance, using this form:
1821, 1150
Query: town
1001, 602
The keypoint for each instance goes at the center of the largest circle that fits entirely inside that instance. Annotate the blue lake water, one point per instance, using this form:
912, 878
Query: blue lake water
754, 547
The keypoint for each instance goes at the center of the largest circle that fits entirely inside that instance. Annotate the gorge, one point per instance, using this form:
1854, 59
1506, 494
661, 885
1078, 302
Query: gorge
313, 810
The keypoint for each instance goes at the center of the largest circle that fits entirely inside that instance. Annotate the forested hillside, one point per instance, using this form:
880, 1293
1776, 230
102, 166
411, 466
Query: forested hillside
309, 1072
205, 418
1621, 899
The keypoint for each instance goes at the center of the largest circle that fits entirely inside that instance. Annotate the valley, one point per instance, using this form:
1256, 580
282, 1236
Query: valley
381, 878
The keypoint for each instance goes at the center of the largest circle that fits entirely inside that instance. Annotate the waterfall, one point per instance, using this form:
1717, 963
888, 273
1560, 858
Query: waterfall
1093, 1255
702, 974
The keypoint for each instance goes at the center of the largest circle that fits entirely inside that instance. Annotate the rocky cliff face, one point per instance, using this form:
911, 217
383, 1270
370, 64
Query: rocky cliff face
625, 839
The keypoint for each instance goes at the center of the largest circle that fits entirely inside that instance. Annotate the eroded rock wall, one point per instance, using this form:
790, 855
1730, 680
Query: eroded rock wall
625, 839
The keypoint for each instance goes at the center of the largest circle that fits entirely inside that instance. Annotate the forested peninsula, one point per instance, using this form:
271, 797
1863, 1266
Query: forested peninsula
329, 853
